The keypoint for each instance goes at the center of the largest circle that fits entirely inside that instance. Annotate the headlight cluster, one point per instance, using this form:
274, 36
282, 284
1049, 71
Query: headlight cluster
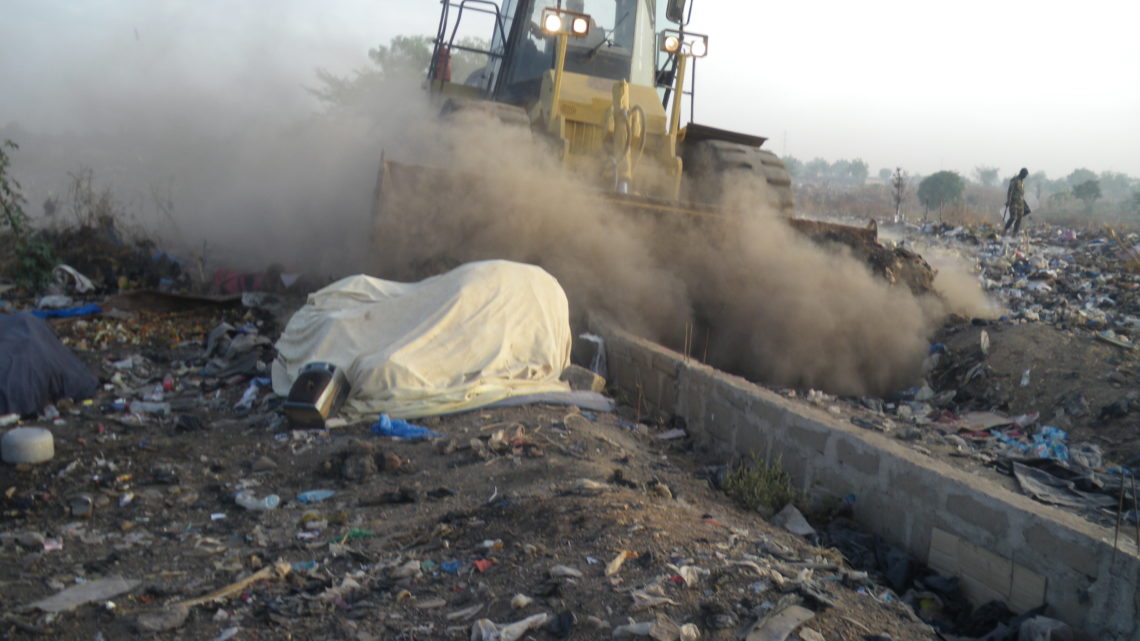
689, 44
556, 21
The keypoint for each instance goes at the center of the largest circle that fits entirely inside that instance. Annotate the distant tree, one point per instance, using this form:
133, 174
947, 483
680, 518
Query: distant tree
12, 201
898, 190
1116, 186
1079, 176
840, 170
858, 170
793, 165
1088, 192
1039, 183
939, 189
405, 57
405, 54
987, 176
817, 168
884, 174
1136, 202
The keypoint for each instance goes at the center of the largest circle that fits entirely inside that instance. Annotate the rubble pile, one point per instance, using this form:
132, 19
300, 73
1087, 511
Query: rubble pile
1045, 394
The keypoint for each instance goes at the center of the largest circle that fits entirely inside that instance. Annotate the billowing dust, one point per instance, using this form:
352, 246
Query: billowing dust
752, 296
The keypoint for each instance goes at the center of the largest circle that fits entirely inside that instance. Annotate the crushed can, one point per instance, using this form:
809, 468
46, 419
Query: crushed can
317, 395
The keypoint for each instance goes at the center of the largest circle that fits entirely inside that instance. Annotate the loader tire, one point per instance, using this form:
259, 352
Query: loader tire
709, 164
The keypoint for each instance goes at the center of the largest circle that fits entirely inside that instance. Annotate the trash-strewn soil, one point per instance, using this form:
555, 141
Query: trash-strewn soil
420, 539
495, 521
1073, 382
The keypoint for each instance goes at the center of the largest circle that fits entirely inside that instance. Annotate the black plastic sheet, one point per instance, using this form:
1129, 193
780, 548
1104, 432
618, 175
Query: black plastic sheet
36, 369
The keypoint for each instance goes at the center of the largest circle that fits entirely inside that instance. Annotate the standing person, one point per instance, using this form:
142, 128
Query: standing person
1015, 201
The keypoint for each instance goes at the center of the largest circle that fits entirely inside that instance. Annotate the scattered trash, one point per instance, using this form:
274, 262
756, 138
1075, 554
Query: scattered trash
1041, 628
168, 618
69, 277
27, 445
251, 502
400, 428
87, 592
614, 566
582, 379
792, 520
317, 395
278, 570
315, 496
778, 625
67, 312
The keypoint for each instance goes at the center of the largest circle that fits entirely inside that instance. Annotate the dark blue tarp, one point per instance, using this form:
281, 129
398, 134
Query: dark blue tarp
35, 368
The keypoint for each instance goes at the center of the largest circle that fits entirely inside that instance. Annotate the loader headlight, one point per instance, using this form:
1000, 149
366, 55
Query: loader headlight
698, 46
552, 23
686, 44
559, 21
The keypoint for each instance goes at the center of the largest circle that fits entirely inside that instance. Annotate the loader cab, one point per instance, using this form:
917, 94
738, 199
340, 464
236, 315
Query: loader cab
620, 45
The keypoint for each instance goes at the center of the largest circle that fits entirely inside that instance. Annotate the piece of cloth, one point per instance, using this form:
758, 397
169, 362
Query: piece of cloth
478, 334
36, 369
1048, 488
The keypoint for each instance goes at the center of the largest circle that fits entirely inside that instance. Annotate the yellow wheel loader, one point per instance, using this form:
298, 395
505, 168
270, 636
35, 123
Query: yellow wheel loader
584, 75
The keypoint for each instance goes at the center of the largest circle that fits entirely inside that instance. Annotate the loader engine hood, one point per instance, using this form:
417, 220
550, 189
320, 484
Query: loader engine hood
587, 99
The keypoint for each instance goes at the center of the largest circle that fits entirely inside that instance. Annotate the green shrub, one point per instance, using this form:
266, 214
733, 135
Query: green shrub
758, 484
34, 255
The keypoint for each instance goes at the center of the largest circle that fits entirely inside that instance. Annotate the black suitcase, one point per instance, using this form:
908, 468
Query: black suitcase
316, 396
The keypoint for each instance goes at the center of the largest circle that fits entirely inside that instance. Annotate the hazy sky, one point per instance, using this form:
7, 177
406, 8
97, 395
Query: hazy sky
925, 86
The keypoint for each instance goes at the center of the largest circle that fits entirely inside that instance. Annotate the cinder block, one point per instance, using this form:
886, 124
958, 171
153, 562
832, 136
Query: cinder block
861, 458
812, 436
887, 518
985, 575
750, 439
1046, 542
974, 512
666, 363
907, 481
771, 418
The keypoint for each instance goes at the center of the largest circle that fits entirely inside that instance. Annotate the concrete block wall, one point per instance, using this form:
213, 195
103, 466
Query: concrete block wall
1000, 544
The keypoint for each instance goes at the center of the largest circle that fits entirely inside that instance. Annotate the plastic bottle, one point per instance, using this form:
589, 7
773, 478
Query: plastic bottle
150, 407
251, 502
315, 495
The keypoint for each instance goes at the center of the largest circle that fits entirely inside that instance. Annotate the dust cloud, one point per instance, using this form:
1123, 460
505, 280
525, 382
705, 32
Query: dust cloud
959, 288
248, 187
754, 296
196, 119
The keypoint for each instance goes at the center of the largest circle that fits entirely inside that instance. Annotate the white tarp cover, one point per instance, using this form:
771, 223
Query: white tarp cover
478, 334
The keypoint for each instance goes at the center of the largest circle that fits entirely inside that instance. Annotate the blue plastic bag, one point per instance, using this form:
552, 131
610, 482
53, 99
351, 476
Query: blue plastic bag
71, 312
402, 429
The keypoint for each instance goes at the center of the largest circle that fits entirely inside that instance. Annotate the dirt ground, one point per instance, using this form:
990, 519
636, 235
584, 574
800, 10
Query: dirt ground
1073, 383
514, 513
420, 540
